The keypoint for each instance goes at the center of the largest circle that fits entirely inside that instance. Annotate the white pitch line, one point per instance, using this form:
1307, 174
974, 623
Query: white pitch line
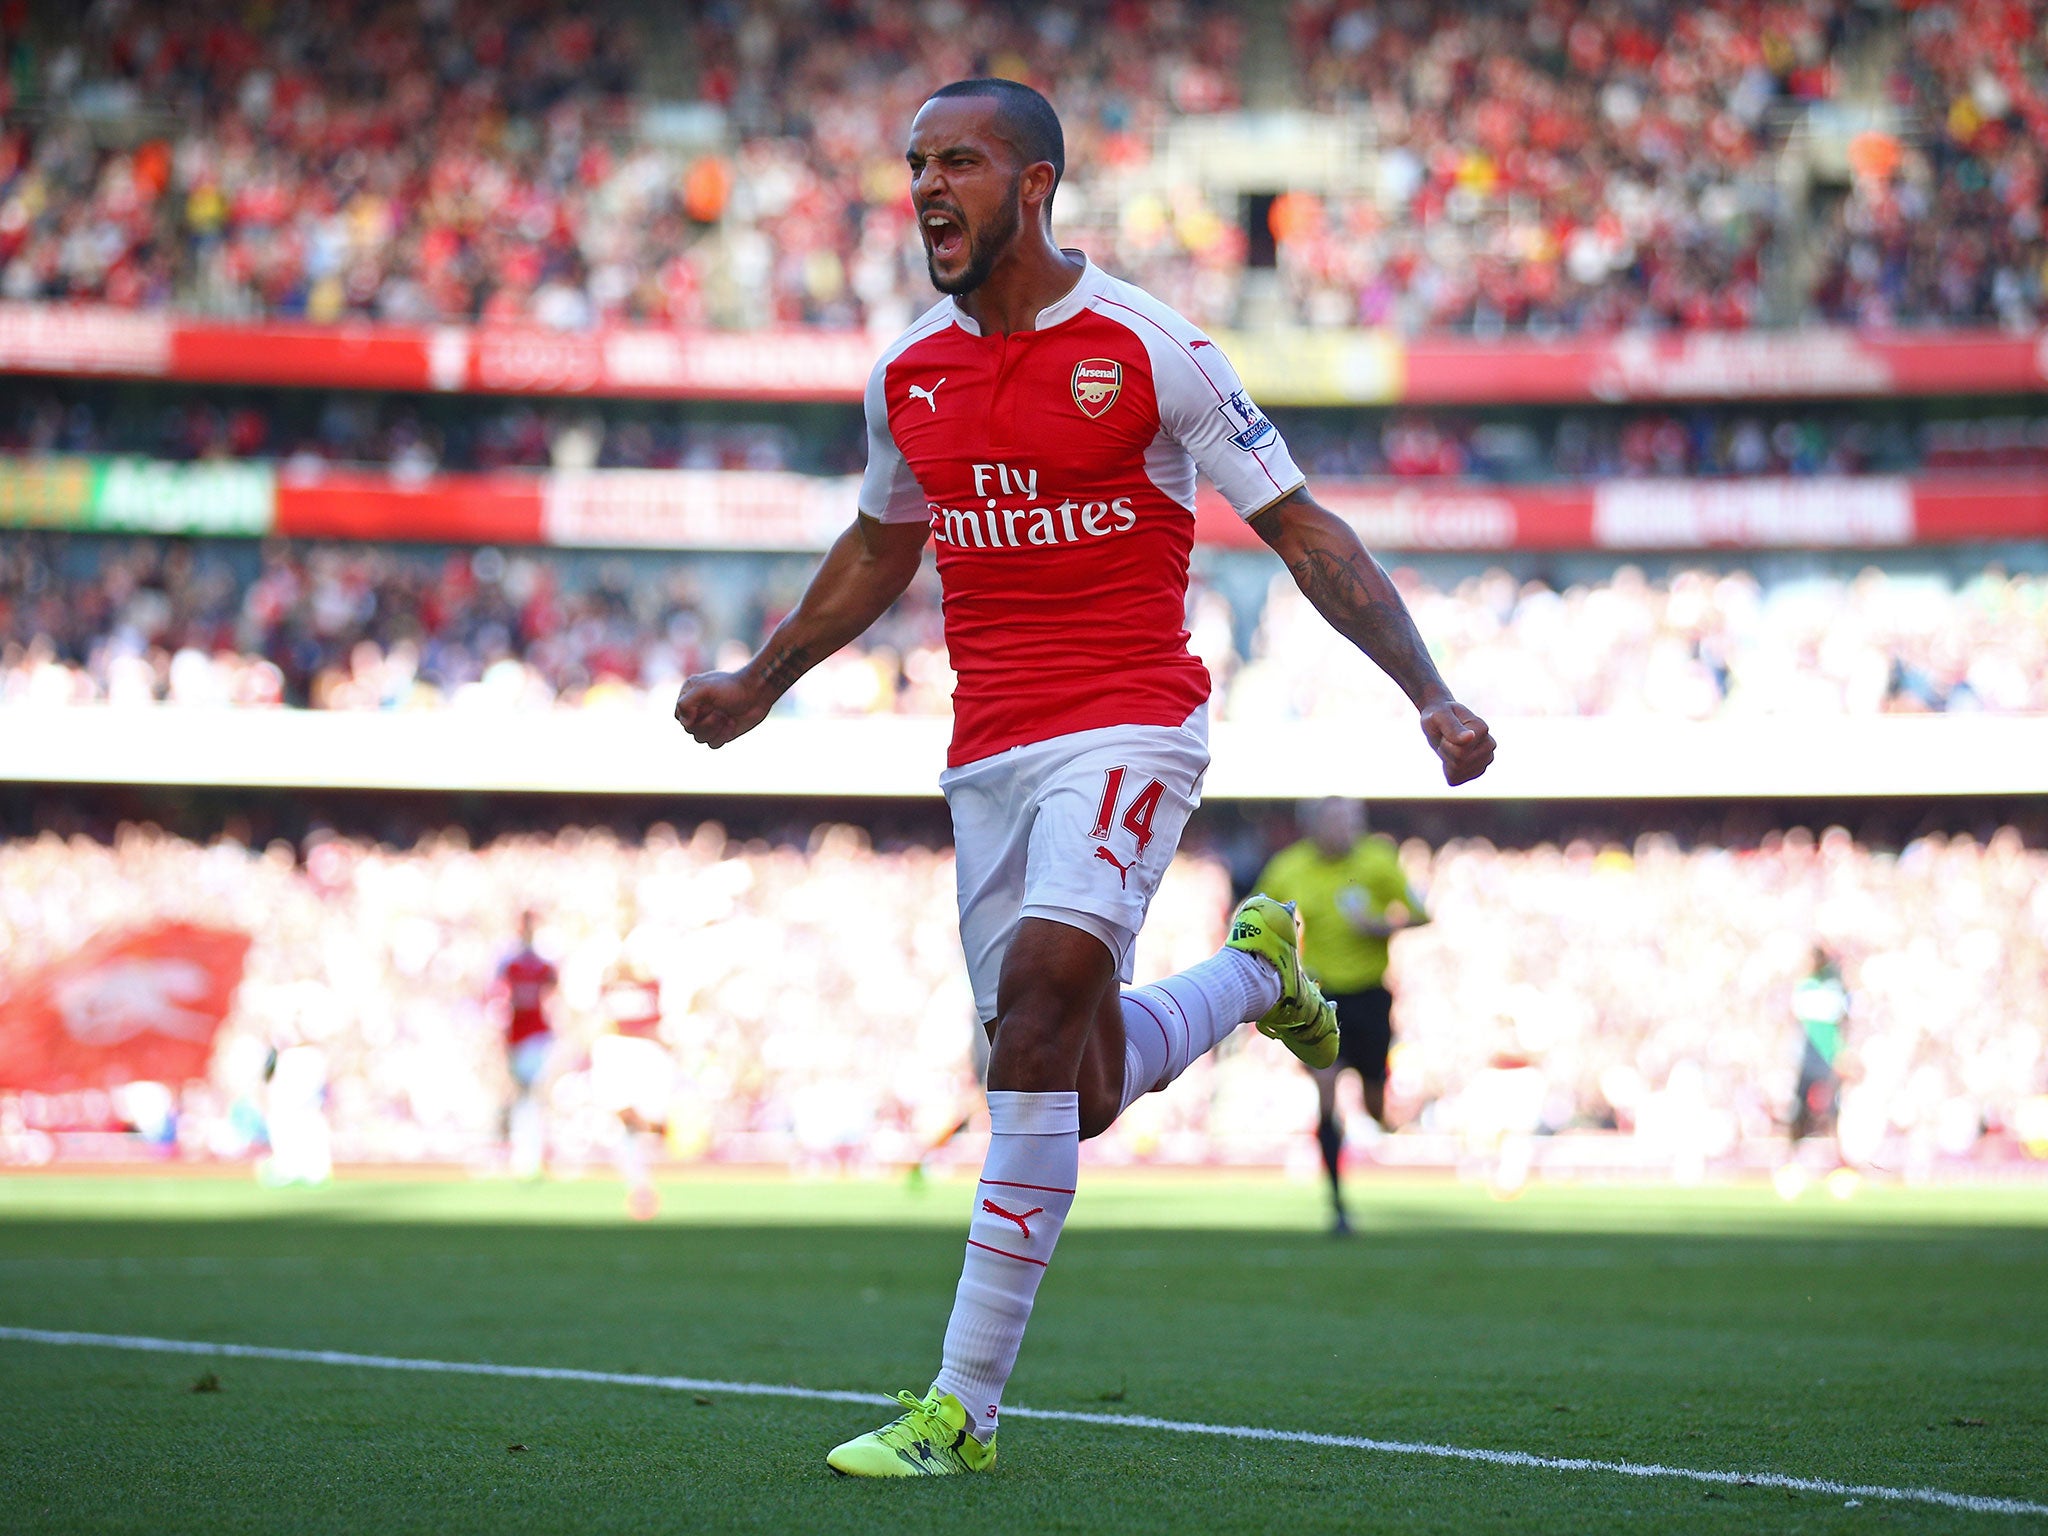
1975, 1503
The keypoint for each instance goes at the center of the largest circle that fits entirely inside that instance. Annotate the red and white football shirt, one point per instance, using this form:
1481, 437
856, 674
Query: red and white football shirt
527, 980
1057, 470
633, 1002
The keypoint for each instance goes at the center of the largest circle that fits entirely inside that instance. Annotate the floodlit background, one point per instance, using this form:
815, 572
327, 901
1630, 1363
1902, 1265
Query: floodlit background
401, 399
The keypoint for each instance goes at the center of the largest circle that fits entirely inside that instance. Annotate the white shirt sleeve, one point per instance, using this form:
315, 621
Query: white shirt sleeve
889, 491
1203, 407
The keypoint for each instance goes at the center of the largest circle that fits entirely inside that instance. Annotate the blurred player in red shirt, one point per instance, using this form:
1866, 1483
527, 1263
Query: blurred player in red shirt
1042, 426
632, 1075
528, 982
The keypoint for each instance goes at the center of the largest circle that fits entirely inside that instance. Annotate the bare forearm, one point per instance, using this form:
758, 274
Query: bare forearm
1350, 590
861, 575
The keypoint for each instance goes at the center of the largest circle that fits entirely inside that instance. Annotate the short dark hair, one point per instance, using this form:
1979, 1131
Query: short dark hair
1024, 117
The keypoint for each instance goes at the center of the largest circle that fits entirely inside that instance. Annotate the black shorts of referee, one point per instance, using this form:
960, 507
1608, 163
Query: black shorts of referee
1365, 1025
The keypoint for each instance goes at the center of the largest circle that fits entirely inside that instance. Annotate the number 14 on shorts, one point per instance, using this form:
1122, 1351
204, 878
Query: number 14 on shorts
1137, 817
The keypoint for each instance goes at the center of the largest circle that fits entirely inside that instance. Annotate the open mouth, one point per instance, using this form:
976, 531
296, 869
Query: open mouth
943, 236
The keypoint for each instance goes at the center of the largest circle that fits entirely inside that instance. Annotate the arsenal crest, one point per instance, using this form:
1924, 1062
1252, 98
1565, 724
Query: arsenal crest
1097, 383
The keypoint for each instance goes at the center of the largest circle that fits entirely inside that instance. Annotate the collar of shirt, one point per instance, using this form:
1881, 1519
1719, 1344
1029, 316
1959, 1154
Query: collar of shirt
1062, 309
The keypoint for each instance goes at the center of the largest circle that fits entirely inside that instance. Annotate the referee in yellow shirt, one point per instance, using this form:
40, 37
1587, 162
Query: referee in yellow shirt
1353, 898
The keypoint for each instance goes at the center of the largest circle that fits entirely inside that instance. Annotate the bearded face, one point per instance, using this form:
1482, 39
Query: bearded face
959, 250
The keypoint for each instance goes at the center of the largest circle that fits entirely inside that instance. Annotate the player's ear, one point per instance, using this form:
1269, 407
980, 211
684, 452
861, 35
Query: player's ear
1035, 186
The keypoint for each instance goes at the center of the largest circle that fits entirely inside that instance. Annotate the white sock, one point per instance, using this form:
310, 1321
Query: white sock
630, 1157
1026, 1190
1167, 1024
528, 1137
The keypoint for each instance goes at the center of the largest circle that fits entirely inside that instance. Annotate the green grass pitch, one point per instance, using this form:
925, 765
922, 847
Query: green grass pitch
1898, 1339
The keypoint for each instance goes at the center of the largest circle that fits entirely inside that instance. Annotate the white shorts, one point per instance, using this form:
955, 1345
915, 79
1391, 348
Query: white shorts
631, 1072
529, 1058
1078, 829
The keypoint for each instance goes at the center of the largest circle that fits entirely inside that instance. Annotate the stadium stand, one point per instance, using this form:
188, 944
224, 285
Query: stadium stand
415, 435
1946, 225
1567, 166
1558, 166
1566, 988
356, 627
501, 177
409, 375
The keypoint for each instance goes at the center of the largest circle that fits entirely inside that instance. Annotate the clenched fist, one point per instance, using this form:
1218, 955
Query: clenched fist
718, 707
1460, 740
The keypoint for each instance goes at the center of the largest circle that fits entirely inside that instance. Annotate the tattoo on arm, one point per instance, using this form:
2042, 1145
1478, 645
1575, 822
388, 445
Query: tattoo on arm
1350, 590
783, 666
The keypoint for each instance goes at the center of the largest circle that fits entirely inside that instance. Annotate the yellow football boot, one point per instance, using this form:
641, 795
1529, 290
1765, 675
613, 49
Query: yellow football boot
1303, 1020
930, 1440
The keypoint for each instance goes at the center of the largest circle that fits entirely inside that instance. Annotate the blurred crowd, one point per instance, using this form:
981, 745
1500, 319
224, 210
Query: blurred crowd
1697, 644
1696, 443
415, 437
1563, 165
359, 627
1947, 228
816, 1000
1649, 988
1556, 165
814, 996
453, 159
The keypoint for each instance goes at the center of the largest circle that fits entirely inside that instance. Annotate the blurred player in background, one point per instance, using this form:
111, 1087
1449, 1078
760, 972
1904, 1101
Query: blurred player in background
1820, 1004
1043, 425
1351, 893
632, 1075
295, 1113
528, 983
